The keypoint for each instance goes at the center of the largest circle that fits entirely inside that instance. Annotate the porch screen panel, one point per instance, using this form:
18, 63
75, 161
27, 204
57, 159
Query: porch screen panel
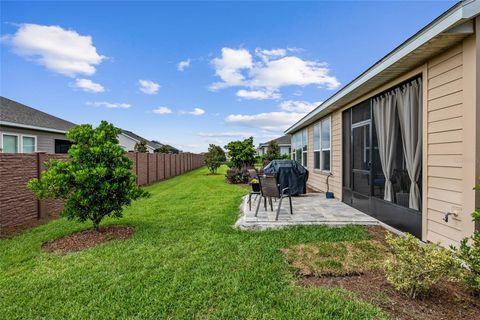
346, 121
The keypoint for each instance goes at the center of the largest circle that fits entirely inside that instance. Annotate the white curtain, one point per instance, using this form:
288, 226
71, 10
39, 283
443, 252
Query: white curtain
386, 124
409, 104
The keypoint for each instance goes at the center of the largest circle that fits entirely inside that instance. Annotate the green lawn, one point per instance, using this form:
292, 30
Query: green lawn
184, 261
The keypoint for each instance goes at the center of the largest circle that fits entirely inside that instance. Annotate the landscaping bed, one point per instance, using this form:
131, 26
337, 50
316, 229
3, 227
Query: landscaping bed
88, 238
359, 270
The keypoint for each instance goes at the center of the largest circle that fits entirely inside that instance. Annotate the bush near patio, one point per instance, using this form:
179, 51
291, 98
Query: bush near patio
184, 261
96, 181
415, 268
241, 154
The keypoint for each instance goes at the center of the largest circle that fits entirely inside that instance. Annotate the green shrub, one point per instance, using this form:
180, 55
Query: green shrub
140, 146
96, 181
414, 268
241, 153
214, 158
469, 254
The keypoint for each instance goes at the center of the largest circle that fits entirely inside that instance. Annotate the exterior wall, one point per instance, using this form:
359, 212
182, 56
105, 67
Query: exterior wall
450, 146
451, 127
45, 140
18, 205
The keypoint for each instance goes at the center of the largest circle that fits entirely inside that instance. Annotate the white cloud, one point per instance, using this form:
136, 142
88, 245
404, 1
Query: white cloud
225, 134
298, 106
276, 121
162, 110
273, 69
229, 67
182, 65
268, 54
258, 94
88, 85
194, 112
59, 50
148, 87
109, 105
272, 121
288, 71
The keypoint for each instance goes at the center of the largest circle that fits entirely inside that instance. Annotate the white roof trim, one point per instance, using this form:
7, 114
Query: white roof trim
460, 12
136, 140
26, 126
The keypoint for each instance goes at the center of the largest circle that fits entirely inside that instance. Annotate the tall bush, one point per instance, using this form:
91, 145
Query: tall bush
273, 151
214, 158
96, 181
241, 153
140, 146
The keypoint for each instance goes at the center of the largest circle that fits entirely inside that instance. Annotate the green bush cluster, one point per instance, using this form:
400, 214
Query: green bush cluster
414, 267
214, 158
241, 153
469, 254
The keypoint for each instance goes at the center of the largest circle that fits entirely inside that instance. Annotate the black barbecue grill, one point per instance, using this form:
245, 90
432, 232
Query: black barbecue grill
289, 174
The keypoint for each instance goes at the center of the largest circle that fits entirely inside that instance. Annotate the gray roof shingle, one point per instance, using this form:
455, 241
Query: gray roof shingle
17, 113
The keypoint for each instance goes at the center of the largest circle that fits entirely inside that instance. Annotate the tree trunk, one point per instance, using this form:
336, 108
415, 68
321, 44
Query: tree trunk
96, 225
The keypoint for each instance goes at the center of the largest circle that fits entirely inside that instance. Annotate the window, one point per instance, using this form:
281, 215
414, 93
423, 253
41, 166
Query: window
326, 130
321, 145
299, 147
62, 146
10, 143
304, 147
29, 144
15, 143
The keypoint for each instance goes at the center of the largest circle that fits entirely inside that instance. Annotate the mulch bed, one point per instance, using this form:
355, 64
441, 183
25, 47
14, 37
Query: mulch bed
445, 301
87, 238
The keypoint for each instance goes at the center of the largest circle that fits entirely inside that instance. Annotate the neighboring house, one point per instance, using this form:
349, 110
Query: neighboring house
25, 130
402, 140
128, 139
283, 142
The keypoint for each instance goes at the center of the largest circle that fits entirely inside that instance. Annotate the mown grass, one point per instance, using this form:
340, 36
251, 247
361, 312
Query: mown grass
184, 261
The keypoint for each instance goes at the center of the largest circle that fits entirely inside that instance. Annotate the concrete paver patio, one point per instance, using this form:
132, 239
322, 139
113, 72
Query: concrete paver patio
309, 209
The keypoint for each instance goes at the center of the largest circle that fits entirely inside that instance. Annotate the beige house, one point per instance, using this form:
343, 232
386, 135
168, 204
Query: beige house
401, 142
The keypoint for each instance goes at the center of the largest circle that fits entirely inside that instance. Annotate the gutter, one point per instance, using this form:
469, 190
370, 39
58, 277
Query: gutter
460, 12
26, 126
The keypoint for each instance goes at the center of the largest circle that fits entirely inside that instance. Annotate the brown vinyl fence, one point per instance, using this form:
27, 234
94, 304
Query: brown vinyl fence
19, 206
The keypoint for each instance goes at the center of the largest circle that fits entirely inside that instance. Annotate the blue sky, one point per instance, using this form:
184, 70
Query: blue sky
247, 68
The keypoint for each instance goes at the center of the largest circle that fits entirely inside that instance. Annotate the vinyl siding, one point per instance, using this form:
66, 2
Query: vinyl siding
45, 140
444, 145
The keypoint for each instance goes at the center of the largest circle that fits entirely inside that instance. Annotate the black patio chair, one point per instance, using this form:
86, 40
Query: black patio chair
255, 187
269, 188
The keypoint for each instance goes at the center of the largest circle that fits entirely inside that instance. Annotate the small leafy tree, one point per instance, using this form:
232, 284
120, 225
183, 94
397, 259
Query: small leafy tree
141, 146
273, 151
214, 158
96, 181
469, 254
241, 153
162, 149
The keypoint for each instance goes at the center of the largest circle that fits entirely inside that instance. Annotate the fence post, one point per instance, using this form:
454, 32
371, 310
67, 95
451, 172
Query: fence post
40, 205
